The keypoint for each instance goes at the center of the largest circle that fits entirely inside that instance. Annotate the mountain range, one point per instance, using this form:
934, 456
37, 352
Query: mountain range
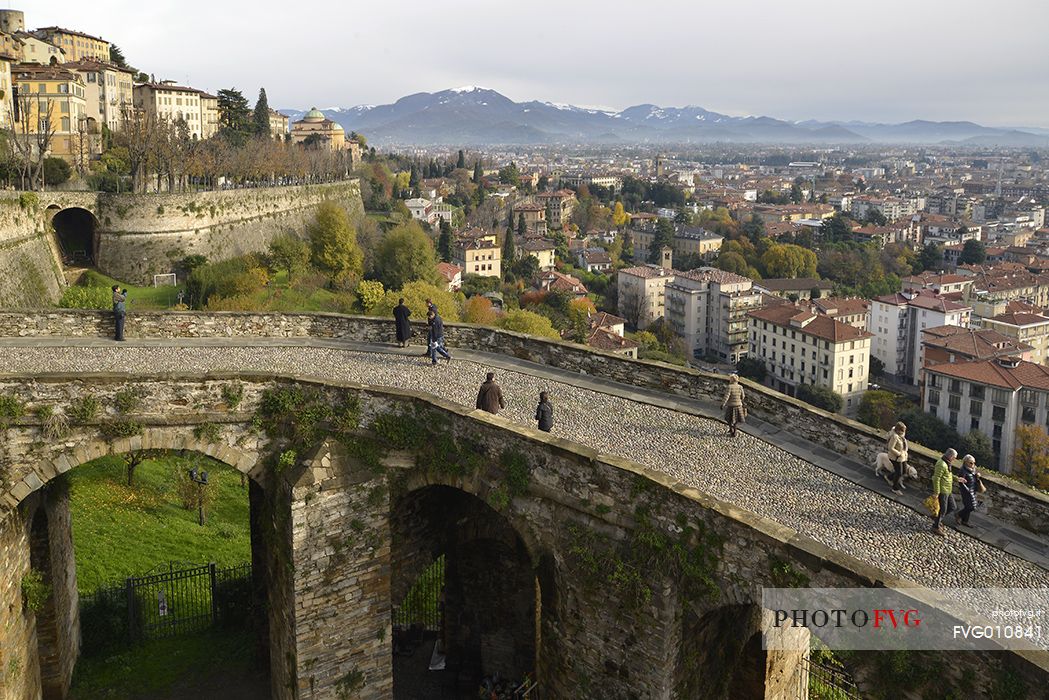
475, 116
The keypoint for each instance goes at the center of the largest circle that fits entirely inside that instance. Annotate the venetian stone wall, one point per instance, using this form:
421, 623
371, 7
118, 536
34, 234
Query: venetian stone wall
30, 275
146, 234
19, 661
1007, 500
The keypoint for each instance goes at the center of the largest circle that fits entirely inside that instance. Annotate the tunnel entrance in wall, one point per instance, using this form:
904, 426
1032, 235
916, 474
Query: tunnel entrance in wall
466, 598
77, 235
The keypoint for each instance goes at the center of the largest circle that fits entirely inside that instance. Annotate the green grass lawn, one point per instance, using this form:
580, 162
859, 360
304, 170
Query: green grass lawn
215, 665
120, 531
138, 297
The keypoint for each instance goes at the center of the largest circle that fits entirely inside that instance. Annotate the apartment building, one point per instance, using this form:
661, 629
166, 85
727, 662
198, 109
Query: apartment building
542, 250
799, 346
559, 206
36, 50
478, 257
938, 283
534, 217
896, 322
610, 182
852, 311
687, 241
53, 98
946, 344
76, 45
108, 90
708, 308
642, 291
421, 210
209, 115
994, 397
1031, 329
167, 101
278, 125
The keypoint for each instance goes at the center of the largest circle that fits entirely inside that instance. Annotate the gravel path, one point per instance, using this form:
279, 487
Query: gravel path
746, 471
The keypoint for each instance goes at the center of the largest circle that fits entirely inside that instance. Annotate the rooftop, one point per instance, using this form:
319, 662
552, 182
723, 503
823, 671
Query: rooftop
805, 321
973, 343
790, 285
647, 271
1006, 374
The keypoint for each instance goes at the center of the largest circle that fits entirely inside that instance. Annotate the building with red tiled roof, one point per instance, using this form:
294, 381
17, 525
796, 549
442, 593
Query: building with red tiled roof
1024, 325
938, 282
555, 281
453, 274
853, 311
896, 320
799, 346
708, 308
641, 292
993, 397
945, 344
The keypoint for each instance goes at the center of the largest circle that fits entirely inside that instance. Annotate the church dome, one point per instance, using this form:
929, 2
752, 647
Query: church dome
314, 115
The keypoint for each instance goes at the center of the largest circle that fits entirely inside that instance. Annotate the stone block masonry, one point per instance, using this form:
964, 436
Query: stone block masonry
146, 234
30, 273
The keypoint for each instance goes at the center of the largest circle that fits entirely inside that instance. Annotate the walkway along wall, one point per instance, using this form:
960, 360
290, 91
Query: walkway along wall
1008, 500
620, 599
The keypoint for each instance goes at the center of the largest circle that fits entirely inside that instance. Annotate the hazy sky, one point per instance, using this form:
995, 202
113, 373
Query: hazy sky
891, 60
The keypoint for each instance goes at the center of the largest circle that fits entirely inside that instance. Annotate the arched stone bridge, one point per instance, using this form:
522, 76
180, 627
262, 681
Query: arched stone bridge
342, 530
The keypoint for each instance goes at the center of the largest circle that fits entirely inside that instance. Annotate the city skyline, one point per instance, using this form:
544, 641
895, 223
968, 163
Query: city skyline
808, 61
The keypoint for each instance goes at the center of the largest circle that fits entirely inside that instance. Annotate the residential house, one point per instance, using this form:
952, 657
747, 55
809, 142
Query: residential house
994, 397
554, 281
595, 260
799, 288
421, 210
959, 344
35, 50
478, 256
279, 126
169, 102
938, 283
108, 91
76, 45
799, 346
1024, 327
534, 217
53, 98
708, 308
687, 241
452, 274
642, 291
542, 250
852, 311
897, 320
559, 205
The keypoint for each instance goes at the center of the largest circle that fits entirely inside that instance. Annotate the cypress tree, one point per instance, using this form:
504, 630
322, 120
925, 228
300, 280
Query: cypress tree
262, 114
444, 241
478, 173
461, 160
522, 227
509, 252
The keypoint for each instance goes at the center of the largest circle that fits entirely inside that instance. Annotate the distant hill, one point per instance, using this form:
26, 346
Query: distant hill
474, 116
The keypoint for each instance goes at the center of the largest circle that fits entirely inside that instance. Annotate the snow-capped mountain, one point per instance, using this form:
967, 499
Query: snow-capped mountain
473, 116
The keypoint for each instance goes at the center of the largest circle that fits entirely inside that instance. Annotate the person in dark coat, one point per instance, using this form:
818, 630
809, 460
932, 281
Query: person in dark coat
431, 308
490, 397
435, 338
968, 478
404, 327
119, 311
544, 412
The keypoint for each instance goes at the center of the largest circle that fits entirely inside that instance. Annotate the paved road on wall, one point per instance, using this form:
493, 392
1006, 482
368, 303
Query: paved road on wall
764, 476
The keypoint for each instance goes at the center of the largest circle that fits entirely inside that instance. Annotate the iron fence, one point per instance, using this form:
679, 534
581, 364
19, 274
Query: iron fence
819, 681
156, 605
422, 606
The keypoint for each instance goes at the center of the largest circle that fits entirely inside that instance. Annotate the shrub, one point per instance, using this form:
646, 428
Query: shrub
926, 429
78, 297
34, 591
84, 409
820, 397
878, 409
56, 171
529, 323
752, 369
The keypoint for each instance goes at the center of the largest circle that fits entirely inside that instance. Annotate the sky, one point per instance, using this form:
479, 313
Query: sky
886, 61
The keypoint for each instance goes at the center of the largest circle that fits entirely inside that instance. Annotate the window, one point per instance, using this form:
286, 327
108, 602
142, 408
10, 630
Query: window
975, 391
998, 413
974, 424
996, 445
956, 386
1028, 397
999, 396
933, 380
1027, 414
934, 397
976, 408
952, 419
954, 402
997, 432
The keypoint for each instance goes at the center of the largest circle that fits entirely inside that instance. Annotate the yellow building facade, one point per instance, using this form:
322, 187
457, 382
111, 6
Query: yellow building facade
53, 98
316, 129
76, 45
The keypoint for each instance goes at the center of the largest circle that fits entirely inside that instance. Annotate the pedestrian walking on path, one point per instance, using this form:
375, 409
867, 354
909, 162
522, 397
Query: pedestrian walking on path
119, 311
431, 308
435, 338
896, 447
942, 486
968, 479
544, 412
490, 396
734, 404
404, 326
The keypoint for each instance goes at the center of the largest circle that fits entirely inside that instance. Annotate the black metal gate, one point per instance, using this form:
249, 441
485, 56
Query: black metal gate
166, 604
422, 607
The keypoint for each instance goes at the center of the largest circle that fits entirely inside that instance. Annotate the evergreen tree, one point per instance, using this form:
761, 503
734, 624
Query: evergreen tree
460, 162
116, 56
413, 179
509, 252
262, 114
444, 241
522, 227
478, 173
664, 238
234, 115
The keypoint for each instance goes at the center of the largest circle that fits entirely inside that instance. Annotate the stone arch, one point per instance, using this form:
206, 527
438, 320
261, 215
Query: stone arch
492, 610
77, 234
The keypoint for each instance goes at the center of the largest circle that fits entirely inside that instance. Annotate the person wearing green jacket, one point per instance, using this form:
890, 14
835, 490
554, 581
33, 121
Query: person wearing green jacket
942, 485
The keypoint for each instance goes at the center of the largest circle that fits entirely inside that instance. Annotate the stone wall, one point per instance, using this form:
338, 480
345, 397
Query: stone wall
30, 275
146, 234
19, 660
576, 515
1006, 499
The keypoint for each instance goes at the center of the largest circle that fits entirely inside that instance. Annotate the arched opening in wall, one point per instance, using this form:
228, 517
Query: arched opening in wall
720, 653
467, 599
162, 564
77, 234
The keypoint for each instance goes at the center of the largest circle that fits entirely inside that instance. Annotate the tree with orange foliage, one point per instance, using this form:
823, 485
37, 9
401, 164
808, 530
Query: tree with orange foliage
479, 310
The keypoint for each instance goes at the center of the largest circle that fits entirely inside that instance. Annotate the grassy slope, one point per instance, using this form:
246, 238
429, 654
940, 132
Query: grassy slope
139, 297
120, 531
